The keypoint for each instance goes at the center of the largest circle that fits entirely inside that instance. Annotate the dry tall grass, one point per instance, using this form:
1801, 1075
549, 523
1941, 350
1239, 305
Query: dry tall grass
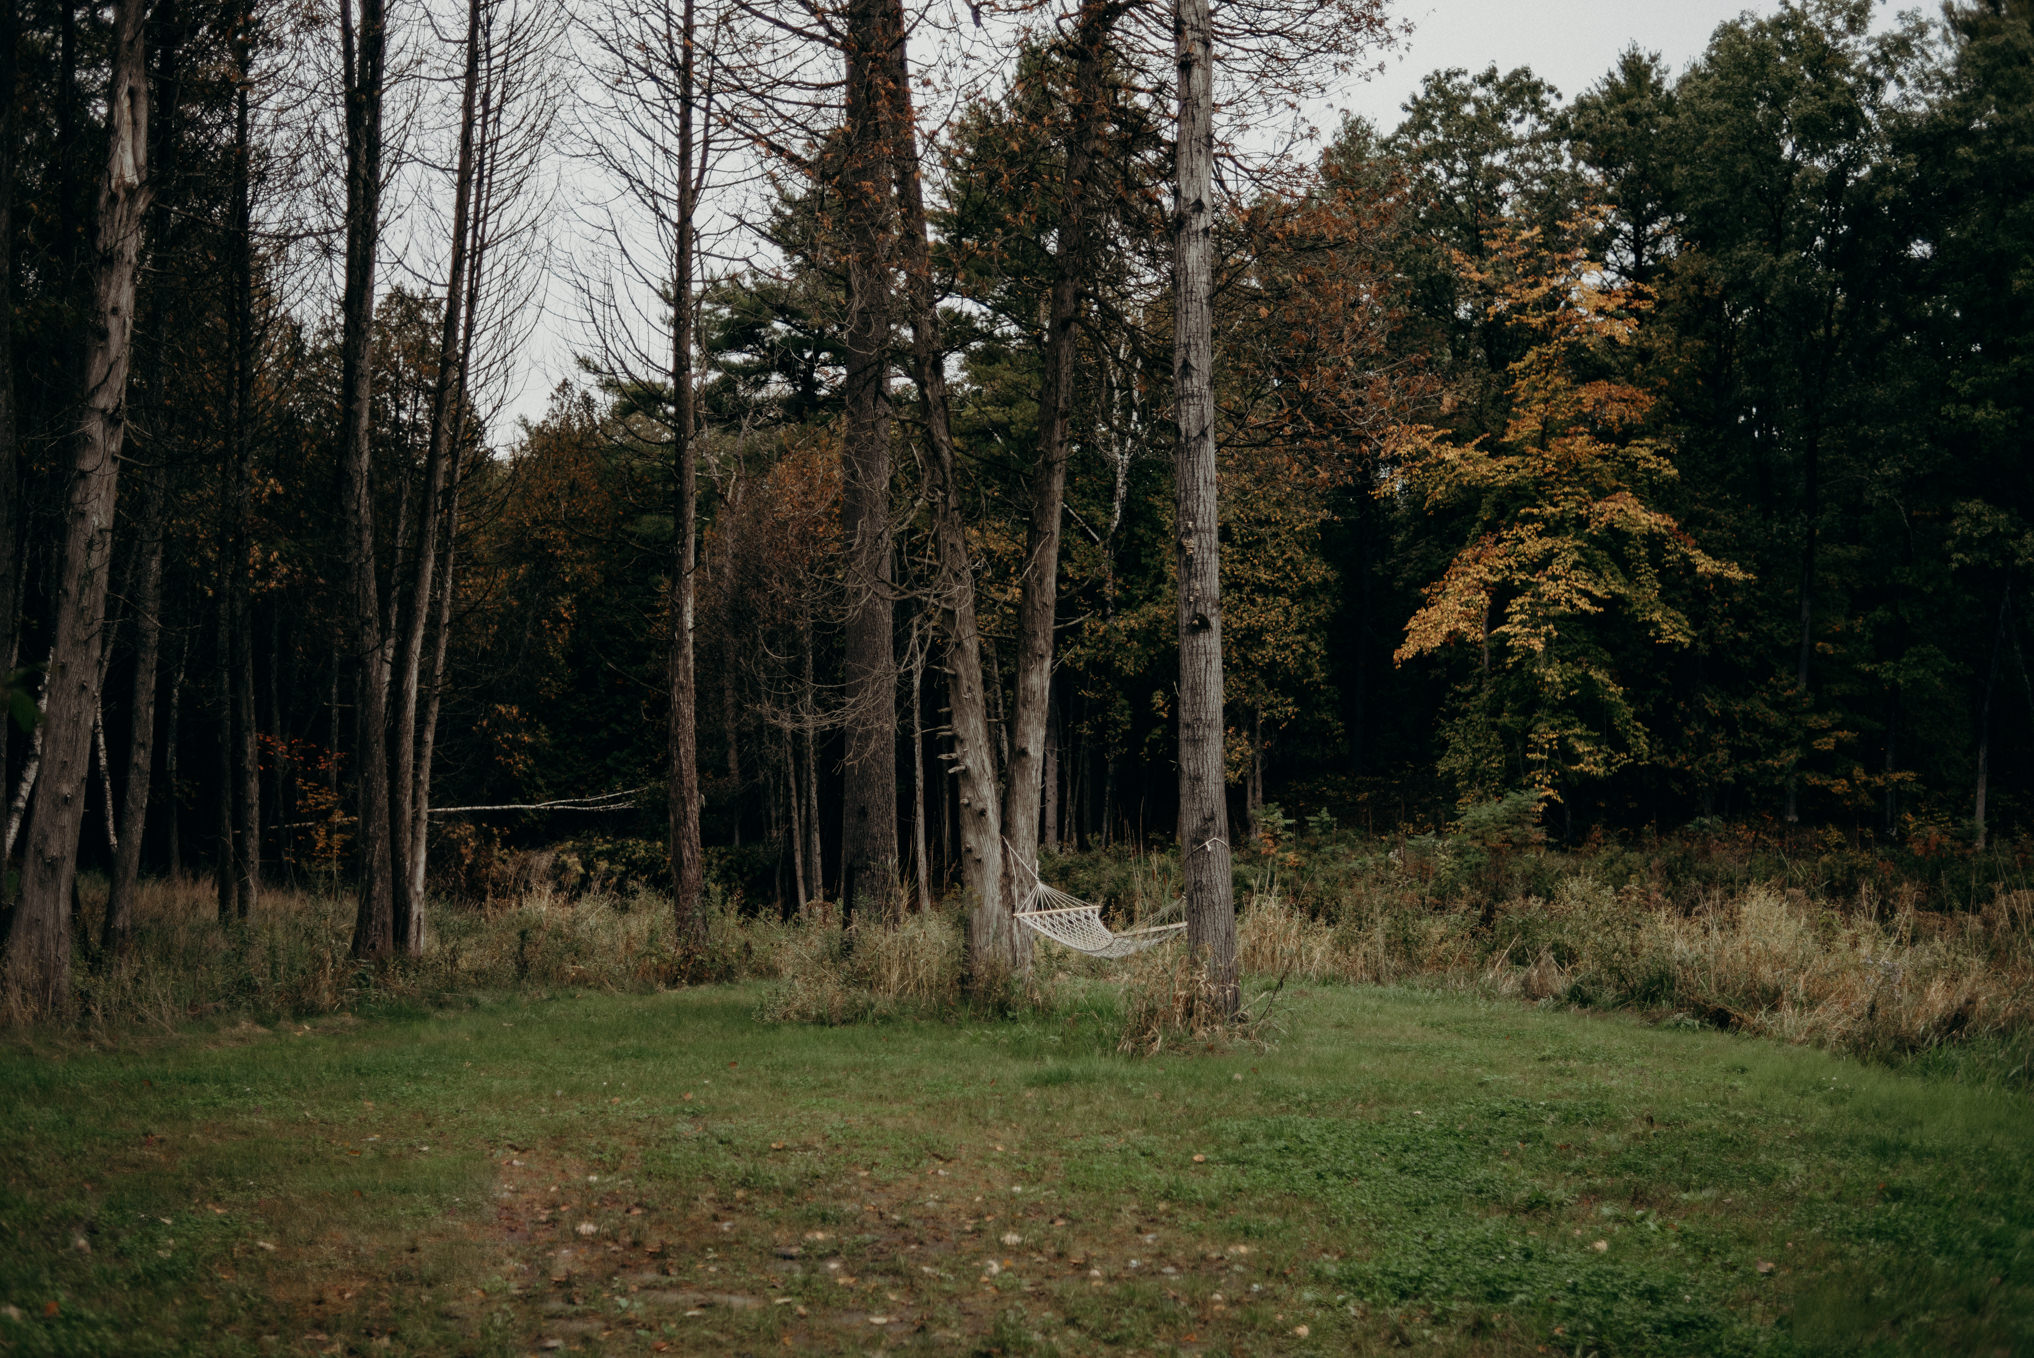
291, 959
1877, 978
1883, 983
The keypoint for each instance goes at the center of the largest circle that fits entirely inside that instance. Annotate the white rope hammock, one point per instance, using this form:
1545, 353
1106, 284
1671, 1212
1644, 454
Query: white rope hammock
1073, 923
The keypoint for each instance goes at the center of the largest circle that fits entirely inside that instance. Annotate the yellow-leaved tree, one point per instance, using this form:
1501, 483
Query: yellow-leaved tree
1568, 579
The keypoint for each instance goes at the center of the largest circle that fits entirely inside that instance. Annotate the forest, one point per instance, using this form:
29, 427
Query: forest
1591, 465
1094, 707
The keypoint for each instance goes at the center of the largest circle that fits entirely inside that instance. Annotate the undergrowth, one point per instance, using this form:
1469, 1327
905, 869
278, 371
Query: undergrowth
1876, 972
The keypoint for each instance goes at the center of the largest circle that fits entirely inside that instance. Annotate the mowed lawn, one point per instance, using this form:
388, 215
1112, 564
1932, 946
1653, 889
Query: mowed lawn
663, 1173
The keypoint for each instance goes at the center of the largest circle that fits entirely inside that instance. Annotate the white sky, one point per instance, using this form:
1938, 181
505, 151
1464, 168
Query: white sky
1571, 43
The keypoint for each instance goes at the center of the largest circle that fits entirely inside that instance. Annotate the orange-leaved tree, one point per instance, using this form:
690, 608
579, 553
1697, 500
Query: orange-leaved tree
1571, 579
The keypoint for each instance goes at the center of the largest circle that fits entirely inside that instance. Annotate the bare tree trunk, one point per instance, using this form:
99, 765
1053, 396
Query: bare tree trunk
921, 863
31, 770
446, 420
1984, 749
795, 820
10, 446
245, 751
1253, 788
105, 763
225, 870
118, 927
434, 695
687, 876
39, 940
997, 947
1203, 806
1039, 593
815, 881
364, 47
730, 729
170, 766
869, 791
1048, 830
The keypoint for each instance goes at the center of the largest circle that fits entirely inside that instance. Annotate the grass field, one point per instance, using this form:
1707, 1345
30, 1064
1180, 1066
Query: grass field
664, 1173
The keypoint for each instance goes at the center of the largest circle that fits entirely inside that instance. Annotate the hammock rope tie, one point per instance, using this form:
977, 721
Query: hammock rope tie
1074, 923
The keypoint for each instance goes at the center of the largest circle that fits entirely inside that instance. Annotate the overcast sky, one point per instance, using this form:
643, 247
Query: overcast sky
1571, 43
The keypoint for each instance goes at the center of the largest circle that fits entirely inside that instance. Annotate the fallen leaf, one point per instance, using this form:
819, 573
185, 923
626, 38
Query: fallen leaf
49, 1308
1765, 1266
1200, 1159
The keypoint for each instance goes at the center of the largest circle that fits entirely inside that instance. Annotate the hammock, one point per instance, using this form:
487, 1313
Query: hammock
1074, 923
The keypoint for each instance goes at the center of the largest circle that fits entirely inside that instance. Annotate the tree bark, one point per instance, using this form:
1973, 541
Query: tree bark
869, 791
687, 876
794, 820
117, 929
10, 446
1037, 604
39, 940
921, 860
1984, 749
1048, 830
997, 947
1203, 804
363, 54
446, 418
434, 695
815, 873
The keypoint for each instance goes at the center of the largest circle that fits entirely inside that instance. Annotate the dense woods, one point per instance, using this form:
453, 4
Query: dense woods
963, 469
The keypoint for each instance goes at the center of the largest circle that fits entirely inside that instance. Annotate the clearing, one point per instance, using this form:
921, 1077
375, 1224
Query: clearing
634, 1174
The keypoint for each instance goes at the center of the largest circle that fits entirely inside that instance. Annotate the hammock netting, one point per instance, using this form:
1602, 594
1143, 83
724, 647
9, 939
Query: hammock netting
1071, 921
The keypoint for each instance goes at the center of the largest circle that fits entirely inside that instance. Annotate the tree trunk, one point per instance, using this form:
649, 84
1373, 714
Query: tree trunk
997, 947
1048, 830
1891, 815
105, 762
118, 927
687, 876
225, 860
363, 50
1253, 788
170, 767
869, 792
1984, 749
795, 820
815, 875
10, 446
39, 941
921, 861
1805, 598
434, 695
446, 419
1038, 598
1203, 805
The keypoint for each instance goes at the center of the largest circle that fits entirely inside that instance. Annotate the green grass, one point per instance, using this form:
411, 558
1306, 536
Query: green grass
1406, 1167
